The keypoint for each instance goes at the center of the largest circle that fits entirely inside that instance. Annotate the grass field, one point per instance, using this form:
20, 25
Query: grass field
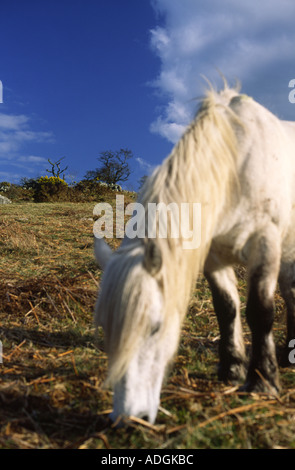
52, 391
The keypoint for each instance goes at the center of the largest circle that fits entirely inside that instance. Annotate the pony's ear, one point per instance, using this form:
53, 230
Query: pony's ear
152, 260
102, 252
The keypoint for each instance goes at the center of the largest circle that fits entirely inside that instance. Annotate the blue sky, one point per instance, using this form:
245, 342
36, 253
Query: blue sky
83, 76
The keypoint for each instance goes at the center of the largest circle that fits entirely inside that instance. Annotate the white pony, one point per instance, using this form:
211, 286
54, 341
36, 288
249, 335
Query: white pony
238, 160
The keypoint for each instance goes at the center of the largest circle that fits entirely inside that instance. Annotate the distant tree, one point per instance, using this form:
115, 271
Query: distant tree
55, 170
114, 167
92, 175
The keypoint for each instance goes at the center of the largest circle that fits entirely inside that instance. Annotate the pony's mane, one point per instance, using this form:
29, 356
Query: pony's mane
200, 169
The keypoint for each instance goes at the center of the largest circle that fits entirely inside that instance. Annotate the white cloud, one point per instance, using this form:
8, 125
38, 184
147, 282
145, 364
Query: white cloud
170, 130
12, 122
144, 165
242, 39
32, 159
15, 132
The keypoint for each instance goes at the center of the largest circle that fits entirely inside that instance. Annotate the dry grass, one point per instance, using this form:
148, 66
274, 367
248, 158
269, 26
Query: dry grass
51, 379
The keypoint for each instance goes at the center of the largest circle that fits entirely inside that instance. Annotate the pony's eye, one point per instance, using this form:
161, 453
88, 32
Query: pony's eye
155, 328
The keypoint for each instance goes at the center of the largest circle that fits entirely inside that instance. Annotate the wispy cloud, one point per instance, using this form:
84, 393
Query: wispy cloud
12, 122
243, 40
144, 165
26, 165
15, 132
32, 159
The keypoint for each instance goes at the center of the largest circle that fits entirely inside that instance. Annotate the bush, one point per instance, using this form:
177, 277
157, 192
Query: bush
88, 190
4, 186
15, 192
50, 189
55, 189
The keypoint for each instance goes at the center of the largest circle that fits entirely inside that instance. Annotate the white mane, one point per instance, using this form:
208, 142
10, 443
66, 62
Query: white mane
202, 169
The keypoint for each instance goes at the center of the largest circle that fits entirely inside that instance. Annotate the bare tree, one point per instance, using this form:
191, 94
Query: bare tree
114, 167
56, 171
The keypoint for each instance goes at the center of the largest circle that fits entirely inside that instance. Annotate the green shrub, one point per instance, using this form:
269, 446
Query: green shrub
4, 186
15, 192
50, 189
88, 190
55, 189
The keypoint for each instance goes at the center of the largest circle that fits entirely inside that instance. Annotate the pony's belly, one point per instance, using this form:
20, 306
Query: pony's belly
226, 254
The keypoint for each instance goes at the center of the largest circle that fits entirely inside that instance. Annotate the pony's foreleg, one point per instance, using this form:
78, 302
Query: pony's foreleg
263, 266
287, 287
226, 302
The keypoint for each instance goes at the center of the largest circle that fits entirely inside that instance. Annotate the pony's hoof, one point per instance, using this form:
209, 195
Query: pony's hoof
261, 386
235, 374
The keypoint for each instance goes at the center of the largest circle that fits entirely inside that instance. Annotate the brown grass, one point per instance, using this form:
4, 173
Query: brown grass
52, 391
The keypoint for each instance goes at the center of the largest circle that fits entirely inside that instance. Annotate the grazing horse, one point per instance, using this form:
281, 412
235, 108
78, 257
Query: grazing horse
238, 161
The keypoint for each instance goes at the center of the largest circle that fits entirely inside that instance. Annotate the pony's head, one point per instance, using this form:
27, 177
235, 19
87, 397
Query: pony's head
140, 340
